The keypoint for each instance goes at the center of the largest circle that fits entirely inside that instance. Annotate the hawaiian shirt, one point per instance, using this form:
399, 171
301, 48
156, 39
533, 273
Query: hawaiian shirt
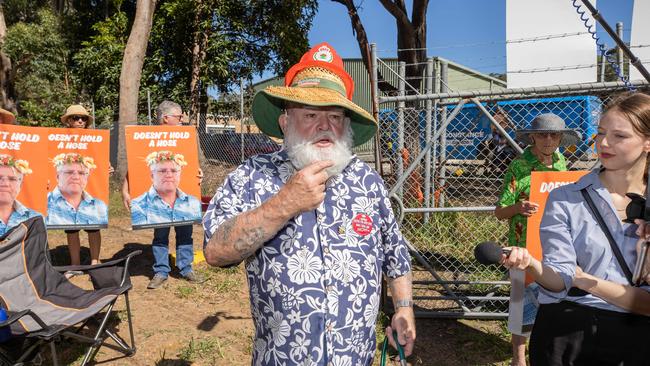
91, 211
516, 187
149, 208
315, 287
18, 215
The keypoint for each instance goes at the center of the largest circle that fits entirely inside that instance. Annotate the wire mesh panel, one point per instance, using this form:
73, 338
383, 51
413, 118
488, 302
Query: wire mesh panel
445, 165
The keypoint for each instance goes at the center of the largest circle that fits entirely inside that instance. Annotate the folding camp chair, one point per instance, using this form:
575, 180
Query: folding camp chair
43, 307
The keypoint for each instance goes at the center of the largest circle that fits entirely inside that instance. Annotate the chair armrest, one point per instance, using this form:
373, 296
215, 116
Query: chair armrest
14, 316
87, 267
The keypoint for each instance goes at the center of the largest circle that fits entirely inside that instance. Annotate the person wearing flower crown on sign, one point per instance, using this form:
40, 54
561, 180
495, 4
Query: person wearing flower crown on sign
69, 203
314, 225
164, 202
12, 212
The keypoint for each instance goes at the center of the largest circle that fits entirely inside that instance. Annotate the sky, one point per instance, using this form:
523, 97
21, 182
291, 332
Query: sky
469, 32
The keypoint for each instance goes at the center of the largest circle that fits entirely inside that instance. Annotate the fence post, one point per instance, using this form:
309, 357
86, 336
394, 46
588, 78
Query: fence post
374, 90
241, 115
427, 158
444, 88
401, 87
619, 50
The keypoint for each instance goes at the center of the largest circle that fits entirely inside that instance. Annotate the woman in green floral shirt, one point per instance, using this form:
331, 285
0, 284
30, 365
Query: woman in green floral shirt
546, 133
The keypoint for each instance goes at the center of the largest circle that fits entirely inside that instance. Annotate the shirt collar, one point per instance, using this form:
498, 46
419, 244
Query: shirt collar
587, 180
56, 193
20, 208
153, 194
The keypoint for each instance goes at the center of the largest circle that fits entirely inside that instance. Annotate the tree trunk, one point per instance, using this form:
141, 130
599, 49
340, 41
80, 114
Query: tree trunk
362, 39
132, 62
6, 80
200, 42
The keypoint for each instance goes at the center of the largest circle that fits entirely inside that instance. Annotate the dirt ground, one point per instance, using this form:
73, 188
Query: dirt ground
210, 323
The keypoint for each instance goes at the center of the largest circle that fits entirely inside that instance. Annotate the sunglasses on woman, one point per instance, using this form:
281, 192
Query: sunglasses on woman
75, 118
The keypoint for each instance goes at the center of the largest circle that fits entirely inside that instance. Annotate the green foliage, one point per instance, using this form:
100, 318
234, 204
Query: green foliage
65, 52
41, 64
99, 63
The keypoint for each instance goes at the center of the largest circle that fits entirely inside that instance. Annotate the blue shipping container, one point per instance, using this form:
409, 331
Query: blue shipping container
471, 127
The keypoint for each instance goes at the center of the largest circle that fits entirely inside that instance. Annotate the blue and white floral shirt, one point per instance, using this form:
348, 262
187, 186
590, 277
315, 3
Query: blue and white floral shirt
18, 215
315, 287
91, 210
149, 208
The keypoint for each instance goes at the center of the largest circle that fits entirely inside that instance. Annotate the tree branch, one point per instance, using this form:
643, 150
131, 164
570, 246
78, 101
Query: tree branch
398, 13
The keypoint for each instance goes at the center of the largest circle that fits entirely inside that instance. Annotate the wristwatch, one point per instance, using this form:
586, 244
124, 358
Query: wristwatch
403, 303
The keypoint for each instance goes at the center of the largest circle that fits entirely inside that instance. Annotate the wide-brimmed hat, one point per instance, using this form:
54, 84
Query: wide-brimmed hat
76, 110
318, 80
7, 117
549, 123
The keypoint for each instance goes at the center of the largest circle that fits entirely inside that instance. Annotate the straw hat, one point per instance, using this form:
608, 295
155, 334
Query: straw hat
77, 110
549, 123
7, 117
318, 80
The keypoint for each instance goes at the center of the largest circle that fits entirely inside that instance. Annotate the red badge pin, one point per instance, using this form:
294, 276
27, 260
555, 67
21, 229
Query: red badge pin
362, 224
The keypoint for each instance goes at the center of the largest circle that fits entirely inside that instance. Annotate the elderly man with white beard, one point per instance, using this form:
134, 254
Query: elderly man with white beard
314, 225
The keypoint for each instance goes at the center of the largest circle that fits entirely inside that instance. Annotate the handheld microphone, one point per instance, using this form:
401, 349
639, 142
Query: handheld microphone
489, 252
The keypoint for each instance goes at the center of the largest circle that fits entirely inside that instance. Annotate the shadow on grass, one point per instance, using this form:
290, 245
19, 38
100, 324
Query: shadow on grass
209, 322
451, 342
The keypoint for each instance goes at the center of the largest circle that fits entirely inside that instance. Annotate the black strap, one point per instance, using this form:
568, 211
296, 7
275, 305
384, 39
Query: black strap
610, 239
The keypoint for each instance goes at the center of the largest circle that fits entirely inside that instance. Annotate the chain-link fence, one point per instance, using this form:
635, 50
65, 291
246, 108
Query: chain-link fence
443, 159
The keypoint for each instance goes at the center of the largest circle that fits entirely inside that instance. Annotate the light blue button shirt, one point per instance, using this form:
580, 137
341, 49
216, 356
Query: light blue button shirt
149, 208
91, 211
18, 215
570, 234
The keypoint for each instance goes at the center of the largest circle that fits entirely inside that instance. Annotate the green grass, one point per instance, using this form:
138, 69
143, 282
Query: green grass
209, 348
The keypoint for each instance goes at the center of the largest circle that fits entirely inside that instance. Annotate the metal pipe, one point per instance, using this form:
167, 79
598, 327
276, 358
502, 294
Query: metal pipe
581, 87
149, 106
241, 115
374, 92
444, 87
400, 126
414, 163
603, 58
619, 50
450, 209
619, 42
458, 314
459, 282
427, 136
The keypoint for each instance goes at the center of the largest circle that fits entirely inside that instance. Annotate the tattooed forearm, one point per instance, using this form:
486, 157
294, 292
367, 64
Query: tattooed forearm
238, 238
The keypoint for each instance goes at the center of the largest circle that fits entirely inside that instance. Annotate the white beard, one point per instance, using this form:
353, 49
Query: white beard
303, 152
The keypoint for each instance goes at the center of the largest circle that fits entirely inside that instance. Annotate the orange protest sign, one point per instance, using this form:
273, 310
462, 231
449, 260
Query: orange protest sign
23, 168
163, 167
78, 169
541, 184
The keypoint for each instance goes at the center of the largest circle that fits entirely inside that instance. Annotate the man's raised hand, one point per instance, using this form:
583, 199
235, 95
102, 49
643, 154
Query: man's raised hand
306, 189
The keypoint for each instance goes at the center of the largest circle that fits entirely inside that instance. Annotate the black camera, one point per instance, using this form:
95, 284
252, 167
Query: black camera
636, 208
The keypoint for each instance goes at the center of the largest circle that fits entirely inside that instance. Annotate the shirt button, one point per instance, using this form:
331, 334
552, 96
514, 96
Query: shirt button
326, 250
330, 288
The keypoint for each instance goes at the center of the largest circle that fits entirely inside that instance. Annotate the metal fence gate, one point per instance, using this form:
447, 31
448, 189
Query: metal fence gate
443, 156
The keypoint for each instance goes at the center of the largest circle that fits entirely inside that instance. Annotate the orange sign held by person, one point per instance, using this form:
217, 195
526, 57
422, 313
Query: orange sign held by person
163, 162
541, 184
23, 173
78, 169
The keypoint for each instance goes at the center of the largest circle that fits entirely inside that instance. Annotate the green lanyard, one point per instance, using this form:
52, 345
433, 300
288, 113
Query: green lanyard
400, 350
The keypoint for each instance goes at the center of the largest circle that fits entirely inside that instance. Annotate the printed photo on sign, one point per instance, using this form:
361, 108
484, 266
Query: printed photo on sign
23, 174
79, 166
163, 171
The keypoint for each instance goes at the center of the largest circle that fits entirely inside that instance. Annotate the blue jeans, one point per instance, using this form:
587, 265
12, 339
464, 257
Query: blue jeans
184, 250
